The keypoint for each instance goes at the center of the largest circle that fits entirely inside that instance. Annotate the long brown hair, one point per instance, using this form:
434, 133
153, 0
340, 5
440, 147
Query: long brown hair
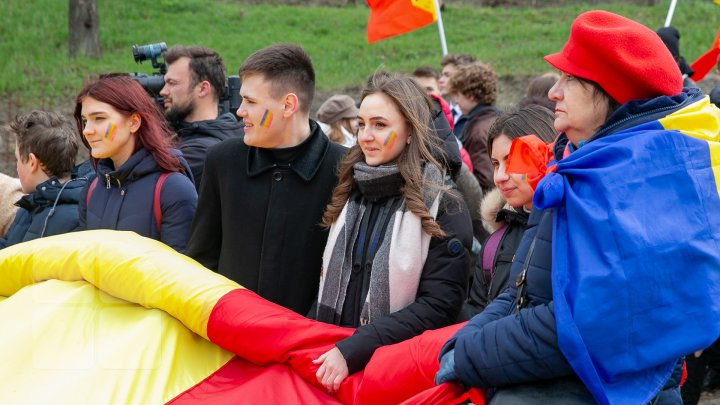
336, 130
128, 97
416, 108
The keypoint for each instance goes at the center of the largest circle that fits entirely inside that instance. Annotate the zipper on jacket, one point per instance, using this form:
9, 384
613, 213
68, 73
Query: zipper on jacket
521, 282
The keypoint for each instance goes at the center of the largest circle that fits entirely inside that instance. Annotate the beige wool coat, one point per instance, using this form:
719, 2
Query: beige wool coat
10, 193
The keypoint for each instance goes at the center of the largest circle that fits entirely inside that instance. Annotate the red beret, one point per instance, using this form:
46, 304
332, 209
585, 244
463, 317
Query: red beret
627, 59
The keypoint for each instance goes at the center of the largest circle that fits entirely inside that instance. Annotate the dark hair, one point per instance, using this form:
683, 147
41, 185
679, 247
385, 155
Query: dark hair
612, 104
457, 59
415, 107
128, 97
426, 71
50, 137
205, 64
476, 80
530, 120
287, 68
539, 86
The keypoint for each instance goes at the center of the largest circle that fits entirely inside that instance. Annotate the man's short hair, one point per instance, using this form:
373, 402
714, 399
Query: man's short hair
287, 68
476, 80
51, 137
457, 59
205, 64
426, 71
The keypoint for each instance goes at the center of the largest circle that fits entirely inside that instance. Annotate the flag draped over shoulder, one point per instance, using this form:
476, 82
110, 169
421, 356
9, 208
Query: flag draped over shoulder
394, 17
636, 251
112, 317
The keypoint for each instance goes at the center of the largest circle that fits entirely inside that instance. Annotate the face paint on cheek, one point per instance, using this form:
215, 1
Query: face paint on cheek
266, 119
110, 132
390, 140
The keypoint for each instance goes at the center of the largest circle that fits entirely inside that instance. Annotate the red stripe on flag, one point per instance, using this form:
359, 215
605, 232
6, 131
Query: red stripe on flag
394, 17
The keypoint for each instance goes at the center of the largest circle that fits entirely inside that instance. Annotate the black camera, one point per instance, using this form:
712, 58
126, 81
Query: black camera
153, 84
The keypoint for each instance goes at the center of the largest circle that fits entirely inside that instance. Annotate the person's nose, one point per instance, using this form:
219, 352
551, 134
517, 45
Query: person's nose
555, 92
500, 175
365, 135
88, 129
241, 111
164, 92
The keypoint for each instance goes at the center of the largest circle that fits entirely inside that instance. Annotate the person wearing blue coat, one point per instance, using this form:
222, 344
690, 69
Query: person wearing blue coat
46, 148
582, 320
141, 183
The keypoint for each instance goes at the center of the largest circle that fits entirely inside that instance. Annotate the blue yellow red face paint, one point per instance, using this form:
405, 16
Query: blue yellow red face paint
390, 140
110, 132
266, 119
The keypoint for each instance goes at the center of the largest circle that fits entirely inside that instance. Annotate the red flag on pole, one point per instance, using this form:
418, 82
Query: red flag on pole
394, 17
705, 63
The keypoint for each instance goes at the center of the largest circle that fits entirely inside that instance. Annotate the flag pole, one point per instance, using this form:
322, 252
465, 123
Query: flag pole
441, 30
671, 11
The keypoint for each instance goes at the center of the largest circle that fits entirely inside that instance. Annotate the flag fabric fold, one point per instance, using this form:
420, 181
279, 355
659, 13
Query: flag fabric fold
636, 251
389, 18
112, 317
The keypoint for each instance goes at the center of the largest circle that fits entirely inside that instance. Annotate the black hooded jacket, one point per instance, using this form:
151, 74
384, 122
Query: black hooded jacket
197, 137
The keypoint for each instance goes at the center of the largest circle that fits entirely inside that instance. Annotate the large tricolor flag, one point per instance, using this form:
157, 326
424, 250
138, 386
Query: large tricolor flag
636, 251
107, 317
394, 17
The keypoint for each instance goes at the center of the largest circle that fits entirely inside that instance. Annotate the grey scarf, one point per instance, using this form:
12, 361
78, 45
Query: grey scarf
398, 262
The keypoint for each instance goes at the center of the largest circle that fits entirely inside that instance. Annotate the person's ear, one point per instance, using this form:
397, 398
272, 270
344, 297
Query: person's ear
204, 89
291, 103
135, 121
33, 163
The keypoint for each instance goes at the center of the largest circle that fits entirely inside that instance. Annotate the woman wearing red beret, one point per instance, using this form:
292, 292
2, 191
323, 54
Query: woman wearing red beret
616, 277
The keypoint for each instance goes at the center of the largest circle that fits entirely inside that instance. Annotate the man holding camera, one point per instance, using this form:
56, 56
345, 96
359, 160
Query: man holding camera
194, 83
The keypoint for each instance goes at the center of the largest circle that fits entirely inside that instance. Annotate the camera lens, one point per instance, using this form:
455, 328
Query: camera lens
145, 52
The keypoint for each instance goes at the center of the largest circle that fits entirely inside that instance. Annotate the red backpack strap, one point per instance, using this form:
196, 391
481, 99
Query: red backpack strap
157, 210
91, 188
488, 254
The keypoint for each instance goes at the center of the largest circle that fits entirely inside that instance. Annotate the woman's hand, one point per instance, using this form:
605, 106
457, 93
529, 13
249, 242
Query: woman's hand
333, 369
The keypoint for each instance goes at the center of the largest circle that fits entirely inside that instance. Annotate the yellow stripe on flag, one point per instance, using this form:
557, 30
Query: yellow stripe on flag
122, 264
65, 342
427, 5
700, 120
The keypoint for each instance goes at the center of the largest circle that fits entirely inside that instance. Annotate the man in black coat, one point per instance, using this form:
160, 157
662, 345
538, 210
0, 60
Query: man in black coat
262, 200
194, 82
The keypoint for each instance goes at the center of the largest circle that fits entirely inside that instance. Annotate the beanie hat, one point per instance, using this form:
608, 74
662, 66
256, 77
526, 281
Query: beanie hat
628, 60
671, 38
336, 108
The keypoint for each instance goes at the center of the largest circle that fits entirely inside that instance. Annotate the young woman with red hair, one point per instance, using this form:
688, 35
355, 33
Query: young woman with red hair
141, 183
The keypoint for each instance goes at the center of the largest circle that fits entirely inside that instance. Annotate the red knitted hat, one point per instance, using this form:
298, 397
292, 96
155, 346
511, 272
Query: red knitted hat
627, 59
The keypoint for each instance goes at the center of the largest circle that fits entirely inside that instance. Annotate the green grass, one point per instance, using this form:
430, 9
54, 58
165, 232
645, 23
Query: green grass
36, 71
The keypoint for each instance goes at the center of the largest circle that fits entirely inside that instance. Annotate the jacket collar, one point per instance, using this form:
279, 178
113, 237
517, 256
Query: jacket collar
307, 162
52, 190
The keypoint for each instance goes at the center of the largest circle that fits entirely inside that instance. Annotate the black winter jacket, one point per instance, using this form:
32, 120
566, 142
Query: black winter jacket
51, 210
197, 137
123, 200
484, 289
258, 219
440, 293
474, 139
